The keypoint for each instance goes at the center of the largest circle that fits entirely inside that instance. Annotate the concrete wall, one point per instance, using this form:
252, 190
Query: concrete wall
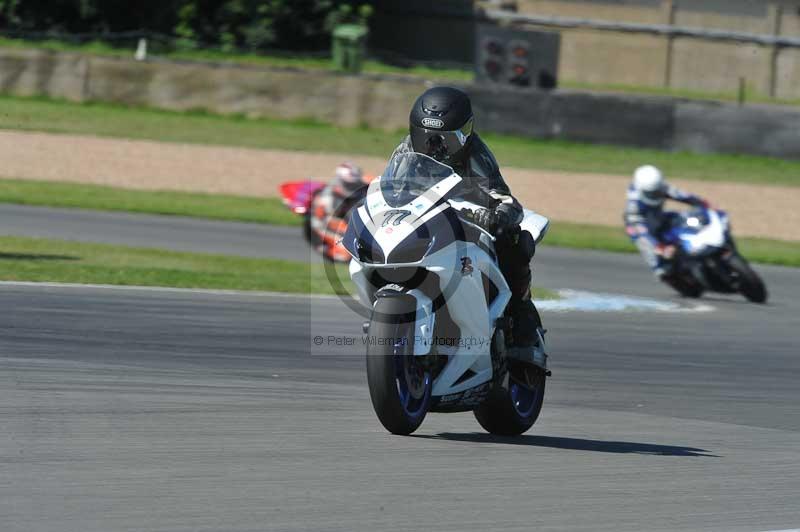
569, 115
762, 130
384, 101
614, 58
601, 57
279, 93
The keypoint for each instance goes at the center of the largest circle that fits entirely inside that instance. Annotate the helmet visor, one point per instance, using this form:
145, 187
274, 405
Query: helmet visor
655, 196
441, 145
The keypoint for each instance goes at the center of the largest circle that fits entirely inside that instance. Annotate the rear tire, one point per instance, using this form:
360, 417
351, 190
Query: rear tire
685, 286
512, 411
750, 284
399, 386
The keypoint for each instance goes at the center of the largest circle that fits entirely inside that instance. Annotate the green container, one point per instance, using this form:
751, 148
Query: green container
349, 47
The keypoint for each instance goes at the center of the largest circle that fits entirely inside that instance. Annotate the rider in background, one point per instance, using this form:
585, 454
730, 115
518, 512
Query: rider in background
646, 220
441, 126
347, 188
329, 209
349, 181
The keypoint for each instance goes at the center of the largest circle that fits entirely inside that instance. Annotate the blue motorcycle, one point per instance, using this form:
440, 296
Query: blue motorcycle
705, 257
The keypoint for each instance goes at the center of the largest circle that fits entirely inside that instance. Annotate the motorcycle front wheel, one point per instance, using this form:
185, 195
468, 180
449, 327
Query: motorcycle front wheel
400, 384
750, 284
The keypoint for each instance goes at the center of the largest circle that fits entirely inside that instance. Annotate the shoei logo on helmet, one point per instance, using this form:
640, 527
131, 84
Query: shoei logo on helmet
432, 122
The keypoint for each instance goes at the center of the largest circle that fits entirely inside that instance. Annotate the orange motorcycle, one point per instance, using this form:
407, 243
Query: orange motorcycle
324, 209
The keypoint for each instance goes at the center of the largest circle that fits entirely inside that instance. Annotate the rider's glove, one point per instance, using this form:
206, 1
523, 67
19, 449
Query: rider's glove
492, 220
666, 250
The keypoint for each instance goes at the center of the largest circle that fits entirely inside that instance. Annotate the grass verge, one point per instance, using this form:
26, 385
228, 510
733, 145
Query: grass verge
105, 198
217, 56
582, 236
48, 260
37, 114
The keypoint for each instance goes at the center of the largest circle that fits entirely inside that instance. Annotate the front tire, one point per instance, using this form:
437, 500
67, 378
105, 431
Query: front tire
399, 385
750, 284
512, 410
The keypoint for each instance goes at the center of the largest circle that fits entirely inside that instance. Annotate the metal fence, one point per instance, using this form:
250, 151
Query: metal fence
649, 29
774, 41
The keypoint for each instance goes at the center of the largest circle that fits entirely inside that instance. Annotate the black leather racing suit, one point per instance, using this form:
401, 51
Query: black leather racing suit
484, 185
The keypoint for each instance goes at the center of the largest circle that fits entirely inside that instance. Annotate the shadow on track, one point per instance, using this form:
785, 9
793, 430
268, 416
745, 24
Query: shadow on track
574, 444
731, 300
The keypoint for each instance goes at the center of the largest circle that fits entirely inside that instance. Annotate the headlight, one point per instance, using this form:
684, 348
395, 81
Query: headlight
369, 254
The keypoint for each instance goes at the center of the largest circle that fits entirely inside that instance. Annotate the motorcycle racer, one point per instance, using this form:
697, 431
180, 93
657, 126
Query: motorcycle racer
645, 218
330, 207
441, 125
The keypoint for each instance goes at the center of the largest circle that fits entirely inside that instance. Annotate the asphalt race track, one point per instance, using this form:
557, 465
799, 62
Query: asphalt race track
128, 409
142, 230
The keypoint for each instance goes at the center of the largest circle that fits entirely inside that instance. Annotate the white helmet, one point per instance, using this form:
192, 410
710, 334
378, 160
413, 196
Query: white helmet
349, 174
651, 185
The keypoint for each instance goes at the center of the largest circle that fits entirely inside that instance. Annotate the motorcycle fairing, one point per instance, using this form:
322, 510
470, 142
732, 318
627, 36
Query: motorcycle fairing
695, 238
534, 223
297, 195
468, 308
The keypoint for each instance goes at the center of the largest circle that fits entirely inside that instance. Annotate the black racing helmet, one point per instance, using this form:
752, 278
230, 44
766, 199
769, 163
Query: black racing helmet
441, 124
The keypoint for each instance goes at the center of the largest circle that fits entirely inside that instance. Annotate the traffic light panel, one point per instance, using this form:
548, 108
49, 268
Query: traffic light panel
492, 60
515, 57
519, 67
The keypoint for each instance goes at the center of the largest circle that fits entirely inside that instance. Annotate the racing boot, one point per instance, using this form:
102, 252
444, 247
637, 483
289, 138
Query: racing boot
527, 335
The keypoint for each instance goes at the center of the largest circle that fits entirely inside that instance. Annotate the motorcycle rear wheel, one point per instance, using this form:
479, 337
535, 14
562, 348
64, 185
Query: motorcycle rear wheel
685, 286
512, 410
399, 384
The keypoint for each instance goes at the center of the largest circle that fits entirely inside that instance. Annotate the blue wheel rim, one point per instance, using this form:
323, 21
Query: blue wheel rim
524, 399
413, 407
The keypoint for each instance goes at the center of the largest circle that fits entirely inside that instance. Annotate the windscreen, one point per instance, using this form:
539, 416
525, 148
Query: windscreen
689, 221
409, 175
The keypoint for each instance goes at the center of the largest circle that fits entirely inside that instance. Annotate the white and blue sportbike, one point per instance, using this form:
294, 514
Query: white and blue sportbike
706, 258
436, 338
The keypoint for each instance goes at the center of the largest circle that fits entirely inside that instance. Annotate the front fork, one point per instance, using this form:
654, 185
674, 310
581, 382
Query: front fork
724, 278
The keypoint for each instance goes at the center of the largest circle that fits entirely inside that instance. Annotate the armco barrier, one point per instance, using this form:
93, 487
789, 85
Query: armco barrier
383, 102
